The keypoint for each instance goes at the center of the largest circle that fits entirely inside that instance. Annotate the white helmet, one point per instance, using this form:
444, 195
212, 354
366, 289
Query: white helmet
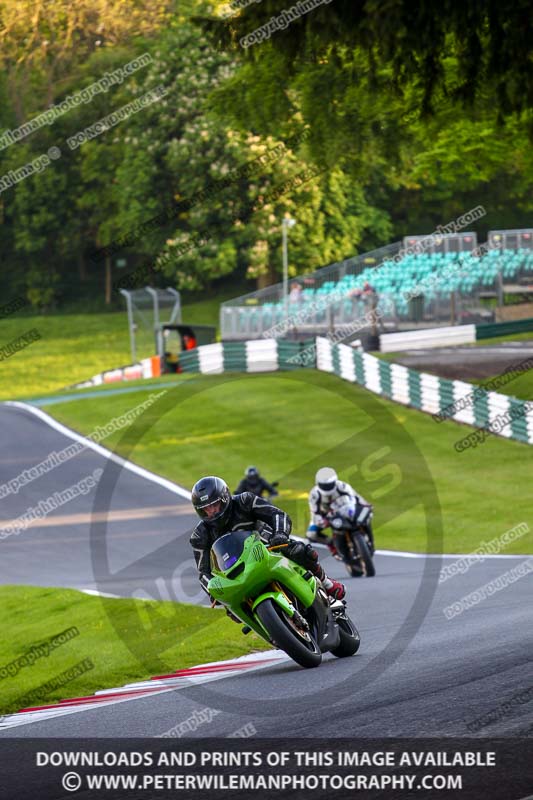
326, 480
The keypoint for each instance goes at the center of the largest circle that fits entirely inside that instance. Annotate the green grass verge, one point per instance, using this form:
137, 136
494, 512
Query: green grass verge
174, 636
521, 386
398, 458
74, 347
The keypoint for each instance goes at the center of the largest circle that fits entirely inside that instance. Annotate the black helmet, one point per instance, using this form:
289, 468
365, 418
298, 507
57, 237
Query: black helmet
251, 472
211, 499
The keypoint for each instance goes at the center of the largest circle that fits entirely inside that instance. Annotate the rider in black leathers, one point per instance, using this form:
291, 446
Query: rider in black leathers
220, 512
255, 483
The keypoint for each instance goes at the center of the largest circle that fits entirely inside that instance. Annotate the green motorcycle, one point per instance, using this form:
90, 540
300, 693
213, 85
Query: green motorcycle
279, 600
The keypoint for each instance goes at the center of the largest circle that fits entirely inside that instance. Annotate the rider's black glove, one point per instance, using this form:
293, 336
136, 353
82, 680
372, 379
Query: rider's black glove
278, 540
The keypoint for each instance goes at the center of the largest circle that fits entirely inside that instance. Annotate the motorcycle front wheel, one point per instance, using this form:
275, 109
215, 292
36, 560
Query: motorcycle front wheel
298, 644
361, 546
350, 639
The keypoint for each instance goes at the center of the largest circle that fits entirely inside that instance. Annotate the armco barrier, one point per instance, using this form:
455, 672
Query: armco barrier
147, 368
429, 393
454, 400
428, 337
449, 336
491, 329
261, 355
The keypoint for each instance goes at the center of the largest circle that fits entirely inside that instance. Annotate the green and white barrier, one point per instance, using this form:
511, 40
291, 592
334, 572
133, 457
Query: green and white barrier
445, 399
257, 355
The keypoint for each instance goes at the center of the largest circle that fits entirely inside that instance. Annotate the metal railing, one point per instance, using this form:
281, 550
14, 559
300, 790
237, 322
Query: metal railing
333, 299
323, 299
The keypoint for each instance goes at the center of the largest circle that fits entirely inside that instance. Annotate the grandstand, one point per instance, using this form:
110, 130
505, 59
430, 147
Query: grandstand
425, 280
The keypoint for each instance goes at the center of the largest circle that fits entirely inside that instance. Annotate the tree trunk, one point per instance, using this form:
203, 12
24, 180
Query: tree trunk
82, 270
267, 279
108, 280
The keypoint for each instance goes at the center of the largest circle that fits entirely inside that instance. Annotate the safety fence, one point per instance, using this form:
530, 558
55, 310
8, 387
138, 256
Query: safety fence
493, 329
146, 368
265, 355
427, 337
453, 335
437, 279
492, 412
259, 355
445, 399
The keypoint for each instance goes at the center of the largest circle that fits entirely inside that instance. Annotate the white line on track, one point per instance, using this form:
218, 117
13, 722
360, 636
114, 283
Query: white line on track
29, 717
103, 451
403, 554
181, 491
406, 554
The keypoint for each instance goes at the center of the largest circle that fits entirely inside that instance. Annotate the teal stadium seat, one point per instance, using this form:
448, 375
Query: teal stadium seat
395, 279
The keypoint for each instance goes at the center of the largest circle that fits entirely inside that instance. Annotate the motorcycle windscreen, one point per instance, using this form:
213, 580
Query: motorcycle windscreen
228, 549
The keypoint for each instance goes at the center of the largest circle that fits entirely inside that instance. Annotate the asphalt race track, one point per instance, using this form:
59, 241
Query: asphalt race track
145, 526
467, 363
417, 673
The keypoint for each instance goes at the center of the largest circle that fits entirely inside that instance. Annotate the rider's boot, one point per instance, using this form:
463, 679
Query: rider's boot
307, 556
333, 588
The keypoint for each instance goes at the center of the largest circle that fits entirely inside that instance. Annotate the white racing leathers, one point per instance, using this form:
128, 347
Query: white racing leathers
324, 505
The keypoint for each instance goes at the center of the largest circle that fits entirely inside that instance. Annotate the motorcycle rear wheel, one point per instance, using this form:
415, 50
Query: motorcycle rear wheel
302, 649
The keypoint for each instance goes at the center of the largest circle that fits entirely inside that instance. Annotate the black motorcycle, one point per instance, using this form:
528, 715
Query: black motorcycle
352, 541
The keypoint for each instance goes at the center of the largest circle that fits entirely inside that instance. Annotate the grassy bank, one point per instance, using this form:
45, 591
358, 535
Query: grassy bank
521, 386
73, 347
176, 636
398, 458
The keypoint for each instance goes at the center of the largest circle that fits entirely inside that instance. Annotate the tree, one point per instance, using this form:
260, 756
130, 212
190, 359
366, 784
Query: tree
42, 42
182, 154
490, 42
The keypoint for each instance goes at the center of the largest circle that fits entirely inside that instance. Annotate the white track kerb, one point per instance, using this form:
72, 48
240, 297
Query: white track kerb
203, 673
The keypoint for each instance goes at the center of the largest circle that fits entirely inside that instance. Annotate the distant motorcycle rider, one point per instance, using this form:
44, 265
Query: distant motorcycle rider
220, 513
255, 483
328, 495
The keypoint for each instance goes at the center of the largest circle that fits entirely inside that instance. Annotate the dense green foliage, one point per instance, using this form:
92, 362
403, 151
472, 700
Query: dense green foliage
489, 43
345, 91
